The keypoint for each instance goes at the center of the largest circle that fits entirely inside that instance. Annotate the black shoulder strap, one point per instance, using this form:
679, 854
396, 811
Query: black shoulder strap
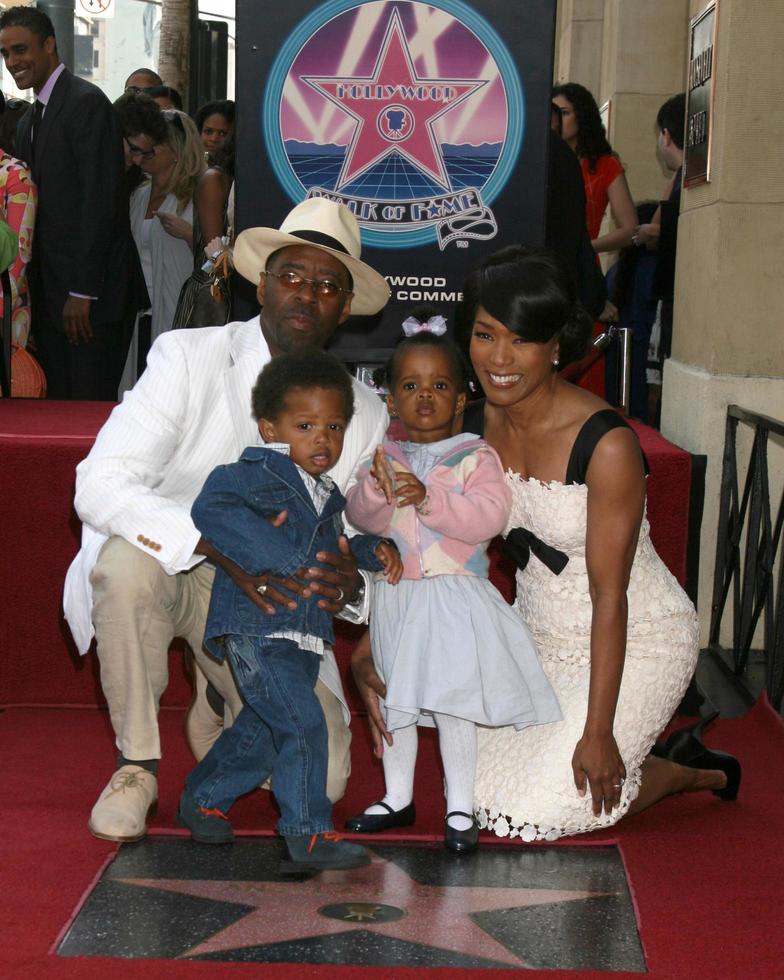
593, 429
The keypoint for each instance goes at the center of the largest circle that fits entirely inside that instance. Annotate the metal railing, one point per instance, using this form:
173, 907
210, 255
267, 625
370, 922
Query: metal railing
612, 335
750, 575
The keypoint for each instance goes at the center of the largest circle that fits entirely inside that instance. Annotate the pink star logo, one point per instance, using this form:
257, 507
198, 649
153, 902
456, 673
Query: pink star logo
433, 915
394, 109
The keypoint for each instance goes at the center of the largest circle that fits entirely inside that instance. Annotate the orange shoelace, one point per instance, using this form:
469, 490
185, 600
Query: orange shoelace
212, 813
331, 835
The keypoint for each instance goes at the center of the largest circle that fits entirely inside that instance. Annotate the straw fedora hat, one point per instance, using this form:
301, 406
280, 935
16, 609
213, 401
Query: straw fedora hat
322, 224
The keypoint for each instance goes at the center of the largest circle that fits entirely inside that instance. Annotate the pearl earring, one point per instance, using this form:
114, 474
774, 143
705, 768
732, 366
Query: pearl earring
556, 362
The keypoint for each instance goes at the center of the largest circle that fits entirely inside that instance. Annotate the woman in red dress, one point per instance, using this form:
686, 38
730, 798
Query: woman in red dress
605, 183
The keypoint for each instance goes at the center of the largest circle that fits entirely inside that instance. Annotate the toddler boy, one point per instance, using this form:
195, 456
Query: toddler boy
303, 403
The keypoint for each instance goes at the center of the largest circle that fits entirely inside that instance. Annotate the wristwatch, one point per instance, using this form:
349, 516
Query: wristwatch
359, 595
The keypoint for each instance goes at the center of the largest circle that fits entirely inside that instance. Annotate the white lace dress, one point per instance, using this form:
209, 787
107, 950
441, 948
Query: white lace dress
524, 782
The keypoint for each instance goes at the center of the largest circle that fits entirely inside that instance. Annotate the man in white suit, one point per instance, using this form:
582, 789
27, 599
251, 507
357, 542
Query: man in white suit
141, 577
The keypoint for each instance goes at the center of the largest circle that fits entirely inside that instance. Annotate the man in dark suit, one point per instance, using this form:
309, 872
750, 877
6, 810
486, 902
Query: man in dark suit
79, 269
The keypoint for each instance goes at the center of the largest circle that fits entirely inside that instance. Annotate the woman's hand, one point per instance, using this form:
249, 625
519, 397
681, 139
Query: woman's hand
597, 764
610, 313
409, 490
647, 235
176, 226
370, 688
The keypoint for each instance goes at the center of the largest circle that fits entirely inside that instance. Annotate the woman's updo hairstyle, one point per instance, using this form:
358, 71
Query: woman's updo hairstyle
532, 293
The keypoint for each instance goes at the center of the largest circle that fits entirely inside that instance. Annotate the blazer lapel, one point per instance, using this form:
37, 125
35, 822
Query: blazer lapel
246, 362
23, 145
52, 111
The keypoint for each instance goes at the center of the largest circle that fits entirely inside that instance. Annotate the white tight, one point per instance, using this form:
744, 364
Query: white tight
457, 742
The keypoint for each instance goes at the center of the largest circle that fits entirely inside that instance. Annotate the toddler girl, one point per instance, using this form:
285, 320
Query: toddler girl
449, 649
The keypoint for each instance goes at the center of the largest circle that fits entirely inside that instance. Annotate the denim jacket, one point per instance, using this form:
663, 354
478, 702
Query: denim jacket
232, 512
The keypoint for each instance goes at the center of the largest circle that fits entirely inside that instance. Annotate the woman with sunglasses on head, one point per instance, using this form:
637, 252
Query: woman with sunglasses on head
162, 228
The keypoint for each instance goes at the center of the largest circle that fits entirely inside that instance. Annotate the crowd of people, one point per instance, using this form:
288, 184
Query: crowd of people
213, 499
112, 206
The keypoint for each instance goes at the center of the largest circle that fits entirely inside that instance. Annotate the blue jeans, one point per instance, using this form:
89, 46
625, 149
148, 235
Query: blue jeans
279, 732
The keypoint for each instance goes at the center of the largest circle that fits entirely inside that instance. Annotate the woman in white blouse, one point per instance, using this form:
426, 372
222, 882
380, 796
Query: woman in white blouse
162, 227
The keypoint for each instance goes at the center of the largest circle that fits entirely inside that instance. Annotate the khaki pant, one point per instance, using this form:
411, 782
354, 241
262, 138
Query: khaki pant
137, 611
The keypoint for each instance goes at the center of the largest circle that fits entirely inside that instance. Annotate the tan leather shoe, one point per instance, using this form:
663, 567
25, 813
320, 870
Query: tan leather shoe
126, 804
202, 725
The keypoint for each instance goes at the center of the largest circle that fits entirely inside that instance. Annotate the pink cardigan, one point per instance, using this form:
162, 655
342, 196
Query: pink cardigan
467, 505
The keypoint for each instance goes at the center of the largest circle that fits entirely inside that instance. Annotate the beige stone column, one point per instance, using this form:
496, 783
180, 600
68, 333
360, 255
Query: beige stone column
578, 42
728, 335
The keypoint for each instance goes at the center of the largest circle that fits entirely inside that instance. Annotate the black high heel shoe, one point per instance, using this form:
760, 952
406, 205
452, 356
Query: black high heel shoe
698, 729
662, 748
686, 748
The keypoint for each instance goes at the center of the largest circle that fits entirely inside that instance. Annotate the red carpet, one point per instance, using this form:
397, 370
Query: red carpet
40, 445
705, 874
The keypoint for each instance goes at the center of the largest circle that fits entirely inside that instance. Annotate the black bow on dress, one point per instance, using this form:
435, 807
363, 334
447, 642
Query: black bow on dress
519, 544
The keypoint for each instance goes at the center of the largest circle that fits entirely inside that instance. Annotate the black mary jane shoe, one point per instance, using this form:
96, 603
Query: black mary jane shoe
461, 841
374, 823
686, 748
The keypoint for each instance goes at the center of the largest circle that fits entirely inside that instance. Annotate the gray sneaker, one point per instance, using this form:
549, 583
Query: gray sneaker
206, 826
323, 852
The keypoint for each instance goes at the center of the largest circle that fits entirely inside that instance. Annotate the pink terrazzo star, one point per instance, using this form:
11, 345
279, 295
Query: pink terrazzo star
435, 915
395, 109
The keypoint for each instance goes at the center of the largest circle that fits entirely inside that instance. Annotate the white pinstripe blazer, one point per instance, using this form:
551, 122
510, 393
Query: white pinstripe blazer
189, 412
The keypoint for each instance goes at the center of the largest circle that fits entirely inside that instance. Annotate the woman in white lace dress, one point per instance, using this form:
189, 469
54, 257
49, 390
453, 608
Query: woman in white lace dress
617, 636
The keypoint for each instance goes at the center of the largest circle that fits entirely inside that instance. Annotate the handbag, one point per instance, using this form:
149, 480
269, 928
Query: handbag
205, 297
27, 376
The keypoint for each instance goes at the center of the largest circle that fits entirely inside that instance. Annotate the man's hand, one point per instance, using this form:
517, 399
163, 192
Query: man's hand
370, 688
272, 594
339, 583
76, 319
390, 558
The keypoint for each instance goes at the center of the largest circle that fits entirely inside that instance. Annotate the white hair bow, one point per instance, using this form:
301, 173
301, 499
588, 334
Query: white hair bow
436, 325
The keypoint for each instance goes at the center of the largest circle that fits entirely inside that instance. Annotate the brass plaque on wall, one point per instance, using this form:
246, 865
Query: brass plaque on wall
699, 97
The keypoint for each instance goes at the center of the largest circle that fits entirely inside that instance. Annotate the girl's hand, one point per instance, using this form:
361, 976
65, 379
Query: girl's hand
389, 556
597, 762
383, 475
409, 490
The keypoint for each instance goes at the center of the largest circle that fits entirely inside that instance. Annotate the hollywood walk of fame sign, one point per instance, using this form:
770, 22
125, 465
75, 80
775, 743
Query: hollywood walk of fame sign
506, 907
428, 120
